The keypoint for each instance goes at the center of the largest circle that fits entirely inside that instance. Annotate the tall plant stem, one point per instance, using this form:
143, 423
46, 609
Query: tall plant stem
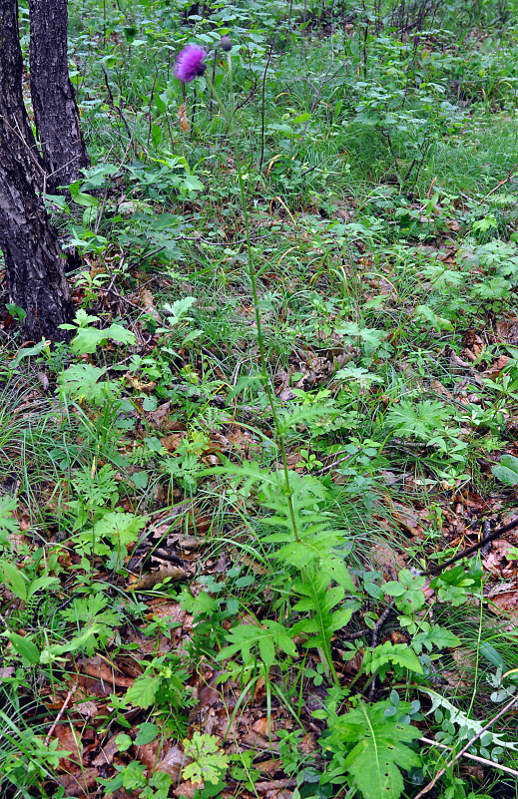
263, 104
325, 655
255, 295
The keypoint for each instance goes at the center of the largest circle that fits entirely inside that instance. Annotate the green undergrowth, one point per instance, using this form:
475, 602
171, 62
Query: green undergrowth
207, 528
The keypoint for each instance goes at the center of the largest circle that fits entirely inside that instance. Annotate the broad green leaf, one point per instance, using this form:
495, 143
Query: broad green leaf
8, 506
123, 742
507, 470
25, 647
76, 644
178, 309
14, 579
87, 339
40, 584
28, 352
147, 732
393, 588
301, 118
86, 200
426, 314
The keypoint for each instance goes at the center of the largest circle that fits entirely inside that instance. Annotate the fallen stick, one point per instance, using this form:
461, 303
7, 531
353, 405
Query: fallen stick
483, 760
58, 717
465, 748
438, 568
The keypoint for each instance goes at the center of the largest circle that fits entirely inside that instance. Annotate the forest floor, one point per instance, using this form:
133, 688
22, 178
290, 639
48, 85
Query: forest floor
226, 505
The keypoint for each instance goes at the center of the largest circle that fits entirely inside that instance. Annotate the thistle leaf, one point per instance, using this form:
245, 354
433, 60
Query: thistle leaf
380, 750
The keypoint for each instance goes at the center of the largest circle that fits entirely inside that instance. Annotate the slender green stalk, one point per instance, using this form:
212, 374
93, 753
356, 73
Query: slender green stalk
253, 281
325, 655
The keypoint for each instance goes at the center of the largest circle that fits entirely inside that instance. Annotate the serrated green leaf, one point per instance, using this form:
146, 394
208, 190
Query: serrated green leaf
437, 636
79, 382
124, 527
387, 653
87, 339
143, 691
246, 639
379, 749
209, 761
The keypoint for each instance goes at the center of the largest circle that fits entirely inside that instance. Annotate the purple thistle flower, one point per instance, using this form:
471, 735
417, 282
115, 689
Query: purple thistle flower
190, 63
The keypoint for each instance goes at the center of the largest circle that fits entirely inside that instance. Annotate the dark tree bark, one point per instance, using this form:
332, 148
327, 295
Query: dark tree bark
34, 265
53, 99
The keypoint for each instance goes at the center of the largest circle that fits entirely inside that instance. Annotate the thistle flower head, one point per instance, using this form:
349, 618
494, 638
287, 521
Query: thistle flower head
225, 43
190, 63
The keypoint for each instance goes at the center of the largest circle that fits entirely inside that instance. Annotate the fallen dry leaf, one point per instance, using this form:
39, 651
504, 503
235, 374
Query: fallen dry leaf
276, 789
188, 789
498, 553
171, 762
173, 573
507, 330
97, 667
69, 741
262, 726
79, 782
107, 753
172, 611
506, 602
148, 304
88, 709
387, 559
496, 367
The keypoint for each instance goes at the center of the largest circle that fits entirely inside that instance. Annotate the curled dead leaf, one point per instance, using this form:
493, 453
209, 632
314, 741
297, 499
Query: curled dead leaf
182, 116
173, 573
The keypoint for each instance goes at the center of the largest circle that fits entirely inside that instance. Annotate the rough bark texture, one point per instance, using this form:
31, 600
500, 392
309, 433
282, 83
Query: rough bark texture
53, 99
34, 264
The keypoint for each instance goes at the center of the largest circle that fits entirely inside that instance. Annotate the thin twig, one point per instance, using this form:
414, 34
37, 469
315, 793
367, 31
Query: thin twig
467, 746
499, 185
332, 465
354, 636
315, 101
58, 717
151, 97
483, 760
374, 640
112, 102
438, 568
263, 101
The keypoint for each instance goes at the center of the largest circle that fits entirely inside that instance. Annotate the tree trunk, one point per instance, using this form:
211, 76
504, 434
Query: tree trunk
34, 265
53, 99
